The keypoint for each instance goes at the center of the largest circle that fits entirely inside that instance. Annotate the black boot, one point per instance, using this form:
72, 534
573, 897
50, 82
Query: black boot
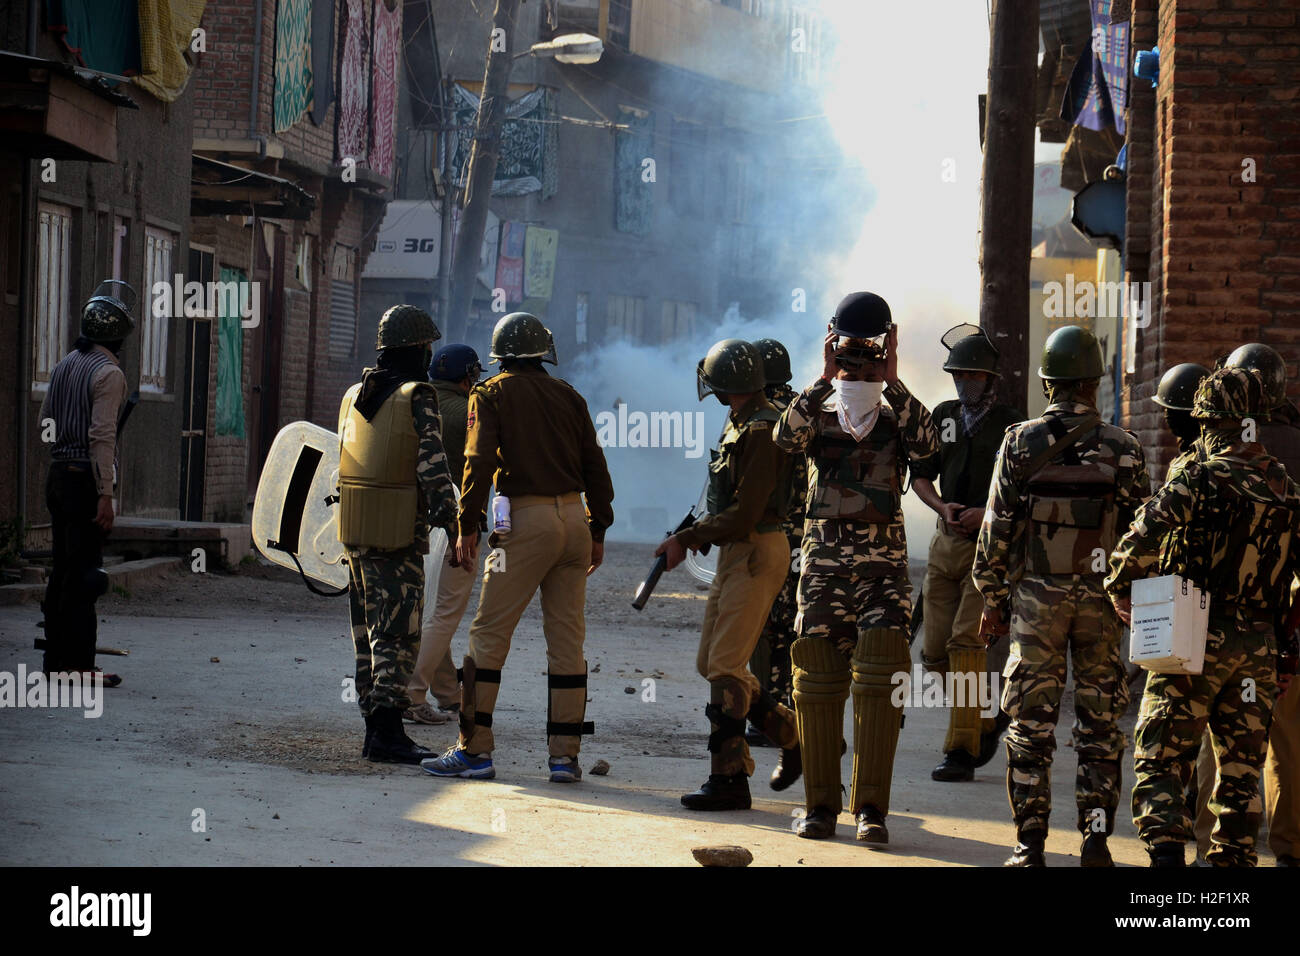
1167, 854
1029, 851
370, 732
957, 765
817, 824
871, 826
1093, 851
789, 767
389, 743
989, 740
720, 792
756, 738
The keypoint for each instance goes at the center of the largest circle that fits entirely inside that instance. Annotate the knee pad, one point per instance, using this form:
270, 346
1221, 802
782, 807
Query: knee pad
881, 653
821, 686
478, 696
566, 705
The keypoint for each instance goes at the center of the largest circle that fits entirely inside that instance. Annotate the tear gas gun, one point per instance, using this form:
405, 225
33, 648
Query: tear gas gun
661, 564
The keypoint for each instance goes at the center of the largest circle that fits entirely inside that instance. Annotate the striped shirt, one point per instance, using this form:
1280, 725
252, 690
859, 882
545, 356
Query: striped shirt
84, 398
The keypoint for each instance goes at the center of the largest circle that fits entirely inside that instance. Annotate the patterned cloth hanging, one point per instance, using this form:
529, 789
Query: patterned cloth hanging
293, 86
354, 86
527, 159
387, 65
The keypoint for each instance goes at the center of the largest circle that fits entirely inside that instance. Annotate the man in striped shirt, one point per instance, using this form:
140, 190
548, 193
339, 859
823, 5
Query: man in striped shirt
85, 396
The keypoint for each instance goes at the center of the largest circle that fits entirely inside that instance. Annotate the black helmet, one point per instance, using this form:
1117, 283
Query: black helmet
106, 316
864, 319
1071, 353
451, 363
1270, 365
1177, 388
969, 350
776, 361
404, 325
732, 367
521, 335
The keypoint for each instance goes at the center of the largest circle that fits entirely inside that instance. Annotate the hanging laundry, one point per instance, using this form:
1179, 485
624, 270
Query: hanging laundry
293, 83
387, 61
1097, 93
354, 86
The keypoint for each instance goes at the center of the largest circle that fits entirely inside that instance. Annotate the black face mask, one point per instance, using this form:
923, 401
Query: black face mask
394, 367
1185, 428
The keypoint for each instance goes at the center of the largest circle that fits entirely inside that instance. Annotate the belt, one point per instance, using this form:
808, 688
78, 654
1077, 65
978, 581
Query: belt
528, 501
73, 466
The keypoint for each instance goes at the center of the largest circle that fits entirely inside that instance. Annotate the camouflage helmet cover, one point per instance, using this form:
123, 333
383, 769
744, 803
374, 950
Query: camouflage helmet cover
404, 325
1231, 393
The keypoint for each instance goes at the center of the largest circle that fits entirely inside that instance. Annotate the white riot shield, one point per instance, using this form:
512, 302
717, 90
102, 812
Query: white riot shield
703, 567
295, 512
434, 563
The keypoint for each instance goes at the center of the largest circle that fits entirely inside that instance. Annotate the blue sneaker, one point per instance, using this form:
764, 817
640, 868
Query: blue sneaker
460, 763
564, 769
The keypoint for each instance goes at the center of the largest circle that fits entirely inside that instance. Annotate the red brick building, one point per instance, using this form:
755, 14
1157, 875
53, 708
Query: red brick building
1213, 192
267, 98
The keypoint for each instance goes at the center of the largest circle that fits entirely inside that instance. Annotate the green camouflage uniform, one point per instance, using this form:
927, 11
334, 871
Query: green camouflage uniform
387, 595
1040, 560
771, 660
854, 572
854, 596
1226, 519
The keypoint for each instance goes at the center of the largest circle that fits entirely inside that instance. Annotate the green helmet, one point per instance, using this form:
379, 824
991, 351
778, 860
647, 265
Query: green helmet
406, 325
1270, 365
776, 361
969, 350
106, 316
1231, 392
1071, 353
1177, 388
732, 367
521, 335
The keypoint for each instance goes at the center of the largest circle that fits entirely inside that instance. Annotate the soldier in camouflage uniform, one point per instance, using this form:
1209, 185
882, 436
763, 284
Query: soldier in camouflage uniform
1064, 487
1226, 520
771, 660
1175, 394
393, 483
854, 596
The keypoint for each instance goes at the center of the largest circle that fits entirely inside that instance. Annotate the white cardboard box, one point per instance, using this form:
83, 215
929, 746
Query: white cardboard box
1170, 619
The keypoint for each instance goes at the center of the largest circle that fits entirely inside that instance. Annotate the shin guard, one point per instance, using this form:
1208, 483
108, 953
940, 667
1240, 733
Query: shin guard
728, 750
967, 666
880, 654
478, 696
566, 707
821, 686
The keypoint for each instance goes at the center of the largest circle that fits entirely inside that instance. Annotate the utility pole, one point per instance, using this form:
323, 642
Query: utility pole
448, 197
1006, 207
482, 165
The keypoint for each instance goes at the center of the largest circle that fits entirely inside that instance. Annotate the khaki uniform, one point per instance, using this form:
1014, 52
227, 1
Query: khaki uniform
434, 671
531, 436
854, 595
953, 606
748, 494
1040, 561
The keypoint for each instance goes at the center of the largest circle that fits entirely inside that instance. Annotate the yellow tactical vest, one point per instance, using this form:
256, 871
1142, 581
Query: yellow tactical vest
379, 495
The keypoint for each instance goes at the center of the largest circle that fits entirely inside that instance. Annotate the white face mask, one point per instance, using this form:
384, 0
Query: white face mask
857, 404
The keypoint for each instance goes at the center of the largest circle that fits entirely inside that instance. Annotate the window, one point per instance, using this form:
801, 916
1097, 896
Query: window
625, 318
580, 319
156, 317
53, 251
302, 262
119, 248
343, 305
677, 321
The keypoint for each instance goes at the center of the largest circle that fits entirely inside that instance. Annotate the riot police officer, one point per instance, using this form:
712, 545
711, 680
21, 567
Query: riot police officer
970, 430
854, 595
531, 436
85, 396
1174, 394
1064, 487
393, 485
1228, 520
771, 660
748, 493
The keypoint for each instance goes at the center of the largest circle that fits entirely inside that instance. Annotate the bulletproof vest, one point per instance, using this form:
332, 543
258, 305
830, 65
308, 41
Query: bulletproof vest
723, 480
1071, 509
1239, 540
379, 495
856, 480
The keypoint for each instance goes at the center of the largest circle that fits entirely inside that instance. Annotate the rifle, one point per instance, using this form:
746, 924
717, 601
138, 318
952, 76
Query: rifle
661, 564
127, 408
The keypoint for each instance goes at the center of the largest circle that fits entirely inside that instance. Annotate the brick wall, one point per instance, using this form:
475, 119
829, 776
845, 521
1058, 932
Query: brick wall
1224, 251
